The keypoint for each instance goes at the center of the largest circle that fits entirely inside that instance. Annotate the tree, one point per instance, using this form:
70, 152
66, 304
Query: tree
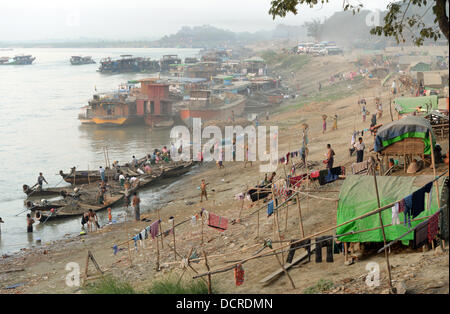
314, 29
396, 20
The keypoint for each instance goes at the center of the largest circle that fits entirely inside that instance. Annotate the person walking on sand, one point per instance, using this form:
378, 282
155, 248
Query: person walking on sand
203, 190
137, 210
360, 146
1, 222
335, 122
324, 123
247, 157
30, 222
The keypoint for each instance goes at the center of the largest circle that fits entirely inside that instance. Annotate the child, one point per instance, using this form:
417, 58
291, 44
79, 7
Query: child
30, 222
109, 215
203, 190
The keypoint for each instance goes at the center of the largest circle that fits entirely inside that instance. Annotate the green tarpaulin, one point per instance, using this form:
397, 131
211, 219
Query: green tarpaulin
357, 197
409, 104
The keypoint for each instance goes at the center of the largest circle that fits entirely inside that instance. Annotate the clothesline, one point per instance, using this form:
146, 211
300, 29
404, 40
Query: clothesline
274, 251
406, 233
375, 211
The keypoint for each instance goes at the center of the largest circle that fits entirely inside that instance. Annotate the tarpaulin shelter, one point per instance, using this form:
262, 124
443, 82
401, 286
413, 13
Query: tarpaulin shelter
410, 104
358, 196
407, 127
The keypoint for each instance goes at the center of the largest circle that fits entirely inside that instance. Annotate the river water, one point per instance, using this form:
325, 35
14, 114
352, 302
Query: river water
40, 132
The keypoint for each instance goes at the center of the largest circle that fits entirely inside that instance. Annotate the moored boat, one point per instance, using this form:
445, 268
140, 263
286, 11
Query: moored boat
79, 60
17, 60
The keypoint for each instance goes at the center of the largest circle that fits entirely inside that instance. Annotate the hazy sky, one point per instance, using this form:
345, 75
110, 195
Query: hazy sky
137, 19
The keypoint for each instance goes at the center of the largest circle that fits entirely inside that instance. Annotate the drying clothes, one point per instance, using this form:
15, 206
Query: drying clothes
401, 206
239, 274
433, 224
338, 248
429, 199
325, 241
314, 174
193, 221
194, 255
147, 231
415, 203
269, 208
395, 220
329, 175
154, 228
287, 158
217, 222
420, 235
305, 243
256, 194
115, 249
135, 238
296, 181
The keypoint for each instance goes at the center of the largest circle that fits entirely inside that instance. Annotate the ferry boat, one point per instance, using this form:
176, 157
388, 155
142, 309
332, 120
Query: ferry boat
128, 63
17, 60
79, 60
136, 102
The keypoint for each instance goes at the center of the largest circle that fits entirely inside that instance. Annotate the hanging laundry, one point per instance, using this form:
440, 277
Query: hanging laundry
193, 256
433, 224
325, 241
217, 222
135, 239
401, 206
115, 249
395, 220
193, 221
269, 208
154, 227
415, 203
239, 274
287, 158
420, 235
429, 199
305, 243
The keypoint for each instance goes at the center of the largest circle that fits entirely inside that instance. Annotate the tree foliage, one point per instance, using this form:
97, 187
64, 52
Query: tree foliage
397, 21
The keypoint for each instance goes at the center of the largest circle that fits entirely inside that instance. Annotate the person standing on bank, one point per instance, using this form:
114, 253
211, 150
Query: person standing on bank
360, 146
136, 203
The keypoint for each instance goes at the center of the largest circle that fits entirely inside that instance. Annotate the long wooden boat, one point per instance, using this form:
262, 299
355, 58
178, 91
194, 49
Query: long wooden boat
76, 209
37, 192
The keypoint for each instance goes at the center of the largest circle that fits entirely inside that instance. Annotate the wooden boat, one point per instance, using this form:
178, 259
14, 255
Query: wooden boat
85, 176
35, 191
76, 209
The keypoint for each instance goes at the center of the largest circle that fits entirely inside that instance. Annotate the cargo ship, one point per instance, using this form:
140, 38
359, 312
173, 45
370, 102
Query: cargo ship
79, 60
138, 102
17, 60
128, 63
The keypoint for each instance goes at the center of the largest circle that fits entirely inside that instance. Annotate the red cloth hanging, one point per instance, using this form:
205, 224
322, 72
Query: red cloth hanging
239, 274
433, 224
217, 222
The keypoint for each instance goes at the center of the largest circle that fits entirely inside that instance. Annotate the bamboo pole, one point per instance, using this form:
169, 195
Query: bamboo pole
157, 254
128, 242
277, 224
209, 275
300, 217
160, 226
174, 243
386, 253
257, 227
436, 183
